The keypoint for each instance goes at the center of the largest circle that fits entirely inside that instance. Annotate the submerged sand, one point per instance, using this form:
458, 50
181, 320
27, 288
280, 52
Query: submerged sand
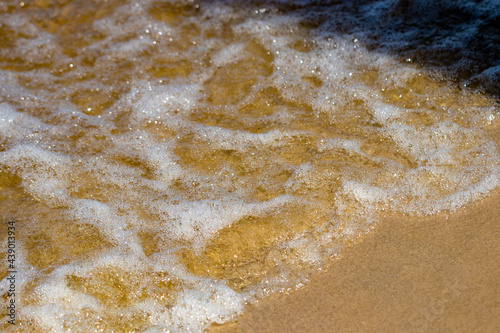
410, 274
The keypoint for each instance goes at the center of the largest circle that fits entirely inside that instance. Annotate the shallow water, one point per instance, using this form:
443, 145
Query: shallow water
167, 162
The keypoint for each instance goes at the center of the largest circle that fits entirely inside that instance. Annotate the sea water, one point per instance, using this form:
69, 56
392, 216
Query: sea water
167, 162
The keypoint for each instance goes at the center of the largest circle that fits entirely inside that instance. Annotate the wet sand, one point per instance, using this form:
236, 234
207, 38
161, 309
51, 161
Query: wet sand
410, 274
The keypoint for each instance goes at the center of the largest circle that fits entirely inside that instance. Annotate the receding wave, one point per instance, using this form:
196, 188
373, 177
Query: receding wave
170, 161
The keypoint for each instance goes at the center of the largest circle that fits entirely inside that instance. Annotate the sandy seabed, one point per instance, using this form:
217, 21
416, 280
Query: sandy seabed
410, 274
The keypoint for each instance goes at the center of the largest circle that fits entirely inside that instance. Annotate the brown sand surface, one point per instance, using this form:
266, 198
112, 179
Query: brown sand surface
410, 274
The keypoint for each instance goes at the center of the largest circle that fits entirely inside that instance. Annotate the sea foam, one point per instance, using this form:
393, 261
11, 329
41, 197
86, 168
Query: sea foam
172, 161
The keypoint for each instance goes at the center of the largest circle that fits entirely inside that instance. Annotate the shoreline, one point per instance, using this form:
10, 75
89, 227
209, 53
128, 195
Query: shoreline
409, 274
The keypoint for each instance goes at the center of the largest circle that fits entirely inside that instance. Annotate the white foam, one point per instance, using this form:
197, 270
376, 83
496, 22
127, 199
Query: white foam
216, 303
139, 166
43, 171
163, 103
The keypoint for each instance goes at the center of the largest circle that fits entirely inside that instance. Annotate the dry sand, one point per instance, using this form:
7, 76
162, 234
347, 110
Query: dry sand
410, 274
